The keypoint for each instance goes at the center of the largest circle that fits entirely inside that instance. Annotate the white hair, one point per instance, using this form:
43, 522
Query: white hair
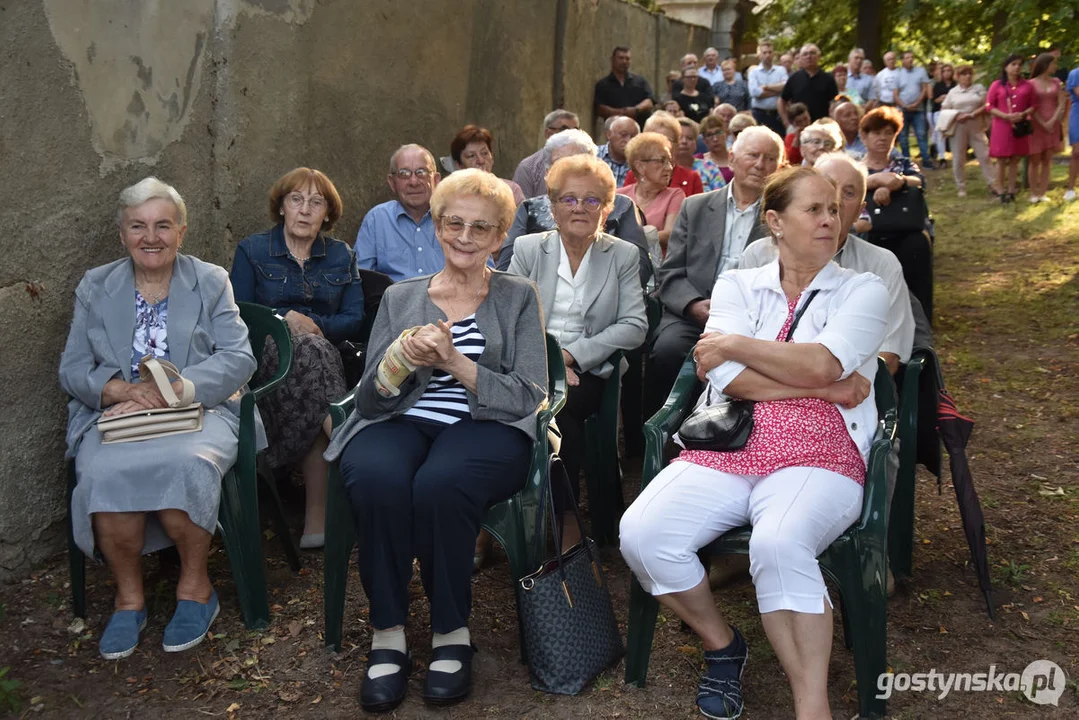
758, 131
147, 189
843, 157
406, 148
566, 138
827, 129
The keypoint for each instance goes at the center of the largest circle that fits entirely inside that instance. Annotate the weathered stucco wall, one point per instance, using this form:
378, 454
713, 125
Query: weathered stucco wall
219, 98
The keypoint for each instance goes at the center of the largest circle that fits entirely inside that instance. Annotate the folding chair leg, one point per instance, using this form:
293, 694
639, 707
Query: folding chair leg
643, 611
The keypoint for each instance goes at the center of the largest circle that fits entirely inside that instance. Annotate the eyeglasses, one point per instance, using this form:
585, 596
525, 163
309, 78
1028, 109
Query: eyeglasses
713, 134
420, 173
481, 230
571, 203
665, 161
296, 201
819, 141
560, 128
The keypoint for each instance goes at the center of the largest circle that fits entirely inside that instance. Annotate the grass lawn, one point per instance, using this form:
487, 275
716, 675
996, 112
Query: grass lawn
1007, 302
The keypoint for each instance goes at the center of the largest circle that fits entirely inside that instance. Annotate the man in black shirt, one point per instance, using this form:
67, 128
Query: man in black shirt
809, 85
622, 92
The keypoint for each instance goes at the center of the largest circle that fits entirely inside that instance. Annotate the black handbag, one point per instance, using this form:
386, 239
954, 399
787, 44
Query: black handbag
1020, 128
906, 213
726, 426
569, 629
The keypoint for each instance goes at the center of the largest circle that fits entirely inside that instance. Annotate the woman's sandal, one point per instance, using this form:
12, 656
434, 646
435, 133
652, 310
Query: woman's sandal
384, 693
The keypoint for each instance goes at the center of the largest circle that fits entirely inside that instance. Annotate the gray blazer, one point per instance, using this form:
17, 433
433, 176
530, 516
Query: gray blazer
688, 273
614, 314
511, 381
207, 340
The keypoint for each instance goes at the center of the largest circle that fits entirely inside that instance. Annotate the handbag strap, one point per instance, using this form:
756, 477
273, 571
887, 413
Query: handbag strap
555, 463
161, 373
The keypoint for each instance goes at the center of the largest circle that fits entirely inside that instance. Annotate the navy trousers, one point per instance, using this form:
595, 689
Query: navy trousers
420, 490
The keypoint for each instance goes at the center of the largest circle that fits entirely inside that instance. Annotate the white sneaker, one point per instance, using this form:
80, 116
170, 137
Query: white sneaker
962, 193
1034, 199
1069, 196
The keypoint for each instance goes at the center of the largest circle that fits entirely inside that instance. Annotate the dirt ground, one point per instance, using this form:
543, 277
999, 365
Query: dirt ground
1007, 294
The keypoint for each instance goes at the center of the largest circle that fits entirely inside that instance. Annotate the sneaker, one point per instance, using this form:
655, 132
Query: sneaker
1069, 196
190, 623
962, 193
121, 635
719, 695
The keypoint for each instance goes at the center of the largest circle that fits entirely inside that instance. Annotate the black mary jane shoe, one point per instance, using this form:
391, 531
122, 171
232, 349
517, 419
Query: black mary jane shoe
442, 688
383, 694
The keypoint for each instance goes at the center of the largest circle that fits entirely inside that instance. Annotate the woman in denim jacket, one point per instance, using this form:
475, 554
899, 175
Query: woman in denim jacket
312, 280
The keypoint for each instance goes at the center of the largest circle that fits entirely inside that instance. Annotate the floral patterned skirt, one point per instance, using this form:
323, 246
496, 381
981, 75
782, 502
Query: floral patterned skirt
294, 411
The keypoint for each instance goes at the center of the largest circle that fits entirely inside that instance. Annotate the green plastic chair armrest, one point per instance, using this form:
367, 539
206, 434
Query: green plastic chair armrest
665, 423
262, 321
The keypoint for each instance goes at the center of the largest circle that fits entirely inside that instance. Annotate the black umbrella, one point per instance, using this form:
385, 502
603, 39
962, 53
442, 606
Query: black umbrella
955, 430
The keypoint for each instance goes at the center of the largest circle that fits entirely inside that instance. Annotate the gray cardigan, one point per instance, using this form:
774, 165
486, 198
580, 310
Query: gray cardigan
207, 340
511, 383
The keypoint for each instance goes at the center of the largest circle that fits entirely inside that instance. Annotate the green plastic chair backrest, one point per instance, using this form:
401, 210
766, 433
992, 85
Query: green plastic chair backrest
263, 322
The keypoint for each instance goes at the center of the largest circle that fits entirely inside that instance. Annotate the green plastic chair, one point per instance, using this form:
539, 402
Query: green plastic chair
513, 522
238, 519
856, 561
901, 516
605, 501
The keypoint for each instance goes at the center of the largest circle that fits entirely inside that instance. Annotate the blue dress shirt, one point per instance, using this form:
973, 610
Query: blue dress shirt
391, 242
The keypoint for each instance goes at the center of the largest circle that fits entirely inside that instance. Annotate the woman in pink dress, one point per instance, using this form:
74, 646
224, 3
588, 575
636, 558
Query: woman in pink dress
800, 336
649, 155
1010, 100
1049, 104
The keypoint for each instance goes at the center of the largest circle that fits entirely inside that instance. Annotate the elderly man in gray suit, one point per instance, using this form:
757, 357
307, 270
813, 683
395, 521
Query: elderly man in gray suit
708, 238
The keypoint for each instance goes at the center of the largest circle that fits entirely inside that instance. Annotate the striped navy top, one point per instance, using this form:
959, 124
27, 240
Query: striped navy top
445, 401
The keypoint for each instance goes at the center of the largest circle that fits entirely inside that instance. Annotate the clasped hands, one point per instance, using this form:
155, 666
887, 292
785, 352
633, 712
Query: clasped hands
430, 346
883, 194
133, 397
714, 348
300, 324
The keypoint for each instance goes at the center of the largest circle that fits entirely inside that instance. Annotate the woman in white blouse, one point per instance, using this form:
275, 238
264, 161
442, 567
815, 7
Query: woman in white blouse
798, 480
968, 99
591, 295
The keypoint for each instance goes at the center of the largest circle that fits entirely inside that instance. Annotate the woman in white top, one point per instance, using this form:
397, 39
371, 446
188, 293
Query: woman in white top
798, 480
968, 128
591, 295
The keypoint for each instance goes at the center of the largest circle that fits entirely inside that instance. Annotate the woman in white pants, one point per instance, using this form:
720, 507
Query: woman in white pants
968, 99
798, 480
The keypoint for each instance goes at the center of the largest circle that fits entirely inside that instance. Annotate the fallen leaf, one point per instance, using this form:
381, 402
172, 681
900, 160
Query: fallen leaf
317, 700
1039, 599
269, 640
234, 707
1024, 614
294, 628
77, 626
289, 695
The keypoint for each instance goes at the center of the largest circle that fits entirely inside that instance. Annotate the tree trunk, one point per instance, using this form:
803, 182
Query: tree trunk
869, 30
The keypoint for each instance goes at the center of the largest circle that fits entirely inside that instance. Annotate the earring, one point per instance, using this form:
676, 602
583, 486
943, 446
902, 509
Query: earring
779, 235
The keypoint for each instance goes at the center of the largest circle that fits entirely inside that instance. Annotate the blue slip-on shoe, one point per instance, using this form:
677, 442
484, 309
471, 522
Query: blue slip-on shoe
121, 635
190, 623
719, 696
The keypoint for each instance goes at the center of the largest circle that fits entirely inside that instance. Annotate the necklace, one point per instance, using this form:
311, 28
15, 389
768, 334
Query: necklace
156, 296
454, 302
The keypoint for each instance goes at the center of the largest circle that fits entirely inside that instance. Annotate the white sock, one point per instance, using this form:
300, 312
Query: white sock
460, 636
392, 639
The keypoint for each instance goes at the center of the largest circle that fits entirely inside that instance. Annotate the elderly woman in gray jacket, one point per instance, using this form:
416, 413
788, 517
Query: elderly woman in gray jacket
592, 300
443, 427
137, 497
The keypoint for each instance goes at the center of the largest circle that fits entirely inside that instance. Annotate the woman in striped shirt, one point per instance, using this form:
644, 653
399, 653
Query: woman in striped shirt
443, 428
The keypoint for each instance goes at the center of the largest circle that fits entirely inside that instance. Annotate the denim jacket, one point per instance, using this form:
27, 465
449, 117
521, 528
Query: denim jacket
326, 289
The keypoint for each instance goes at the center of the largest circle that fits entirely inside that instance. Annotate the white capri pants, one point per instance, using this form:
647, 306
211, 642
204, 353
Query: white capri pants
795, 512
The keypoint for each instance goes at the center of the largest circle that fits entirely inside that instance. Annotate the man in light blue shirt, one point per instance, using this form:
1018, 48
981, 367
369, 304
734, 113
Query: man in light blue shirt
398, 237
858, 81
766, 82
913, 88
711, 71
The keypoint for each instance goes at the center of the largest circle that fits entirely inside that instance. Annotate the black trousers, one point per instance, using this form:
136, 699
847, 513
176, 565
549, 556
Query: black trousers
582, 401
770, 119
420, 490
915, 254
669, 349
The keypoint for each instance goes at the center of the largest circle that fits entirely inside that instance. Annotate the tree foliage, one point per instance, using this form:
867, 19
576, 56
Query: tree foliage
982, 31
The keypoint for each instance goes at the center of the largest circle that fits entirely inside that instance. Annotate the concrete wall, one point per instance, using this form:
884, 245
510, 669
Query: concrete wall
219, 98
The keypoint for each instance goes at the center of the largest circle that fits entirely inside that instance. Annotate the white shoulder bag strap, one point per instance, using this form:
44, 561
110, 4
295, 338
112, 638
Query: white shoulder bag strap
162, 372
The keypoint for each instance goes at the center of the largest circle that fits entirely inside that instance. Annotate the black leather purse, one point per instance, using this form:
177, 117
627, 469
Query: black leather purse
1020, 128
906, 213
726, 426
570, 632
